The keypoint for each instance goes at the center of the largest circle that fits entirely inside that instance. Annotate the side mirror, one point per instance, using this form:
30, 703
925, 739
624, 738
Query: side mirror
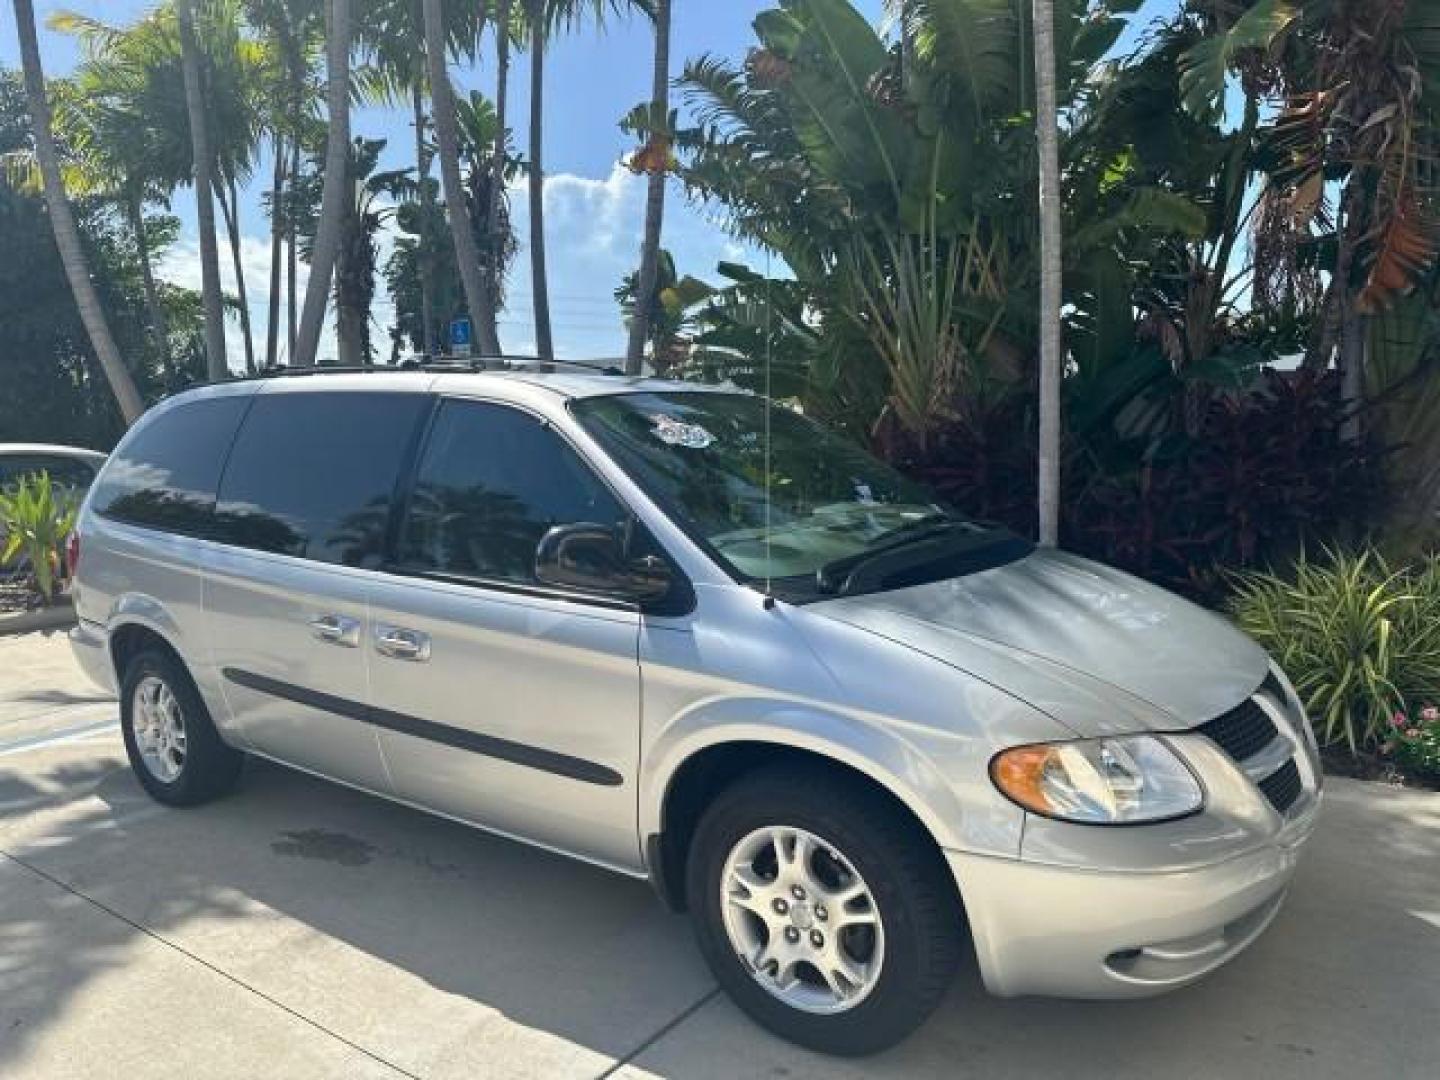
591, 558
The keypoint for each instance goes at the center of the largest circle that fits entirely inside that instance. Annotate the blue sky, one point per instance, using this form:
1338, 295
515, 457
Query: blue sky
594, 207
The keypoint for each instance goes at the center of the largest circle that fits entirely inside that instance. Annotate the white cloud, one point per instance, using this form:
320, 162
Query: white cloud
593, 233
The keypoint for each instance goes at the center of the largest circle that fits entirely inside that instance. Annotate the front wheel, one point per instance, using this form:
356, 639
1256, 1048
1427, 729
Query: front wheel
823, 911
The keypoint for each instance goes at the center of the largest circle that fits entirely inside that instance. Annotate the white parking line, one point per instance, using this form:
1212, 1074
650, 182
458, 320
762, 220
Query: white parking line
58, 738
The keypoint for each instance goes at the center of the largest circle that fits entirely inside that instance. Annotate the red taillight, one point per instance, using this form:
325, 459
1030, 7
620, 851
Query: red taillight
72, 553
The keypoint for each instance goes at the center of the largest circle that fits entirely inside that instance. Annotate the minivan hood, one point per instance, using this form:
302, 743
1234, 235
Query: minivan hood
1098, 650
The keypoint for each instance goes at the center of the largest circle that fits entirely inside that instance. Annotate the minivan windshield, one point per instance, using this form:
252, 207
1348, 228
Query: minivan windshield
831, 520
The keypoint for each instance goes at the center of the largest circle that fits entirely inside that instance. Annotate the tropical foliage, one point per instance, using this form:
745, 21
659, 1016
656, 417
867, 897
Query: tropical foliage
1249, 308
1206, 247
1359, 639
55, 390
36, 517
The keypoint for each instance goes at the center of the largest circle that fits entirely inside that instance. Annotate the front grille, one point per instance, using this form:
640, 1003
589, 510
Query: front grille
1246, 730
1282, 787
1243, 731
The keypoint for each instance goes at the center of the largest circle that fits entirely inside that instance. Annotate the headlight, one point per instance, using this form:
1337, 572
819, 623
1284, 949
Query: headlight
1119, 781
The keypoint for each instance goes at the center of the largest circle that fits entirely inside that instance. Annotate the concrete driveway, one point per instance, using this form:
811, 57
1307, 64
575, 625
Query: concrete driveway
298, 929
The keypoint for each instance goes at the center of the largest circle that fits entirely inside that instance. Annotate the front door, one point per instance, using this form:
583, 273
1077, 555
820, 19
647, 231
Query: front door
498, 701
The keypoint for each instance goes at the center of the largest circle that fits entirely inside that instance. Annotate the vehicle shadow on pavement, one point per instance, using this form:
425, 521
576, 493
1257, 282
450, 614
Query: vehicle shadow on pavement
451, 953
432, 943
23, 793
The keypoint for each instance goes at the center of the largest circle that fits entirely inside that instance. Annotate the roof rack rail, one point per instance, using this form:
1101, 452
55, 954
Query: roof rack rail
454, 365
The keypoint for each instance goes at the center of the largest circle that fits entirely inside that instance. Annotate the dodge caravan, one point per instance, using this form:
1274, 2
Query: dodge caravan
690, 636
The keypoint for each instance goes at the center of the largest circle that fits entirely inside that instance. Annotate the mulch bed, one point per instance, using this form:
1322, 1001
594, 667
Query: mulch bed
1338, 761
16, 597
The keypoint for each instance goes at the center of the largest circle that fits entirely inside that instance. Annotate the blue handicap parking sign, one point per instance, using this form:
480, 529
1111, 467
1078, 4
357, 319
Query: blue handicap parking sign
461, 333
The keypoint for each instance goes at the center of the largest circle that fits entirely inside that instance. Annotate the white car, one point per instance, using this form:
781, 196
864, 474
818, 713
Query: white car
70, 466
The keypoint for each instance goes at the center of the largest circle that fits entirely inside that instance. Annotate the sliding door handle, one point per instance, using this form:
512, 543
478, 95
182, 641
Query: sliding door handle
337, 630
400, 643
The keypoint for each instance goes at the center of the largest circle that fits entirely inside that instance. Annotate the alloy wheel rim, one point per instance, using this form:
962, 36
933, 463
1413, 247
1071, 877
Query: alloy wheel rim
802, 920
159, 728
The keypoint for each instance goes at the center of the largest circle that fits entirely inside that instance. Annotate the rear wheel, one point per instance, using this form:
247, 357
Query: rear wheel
173, 746
823, 911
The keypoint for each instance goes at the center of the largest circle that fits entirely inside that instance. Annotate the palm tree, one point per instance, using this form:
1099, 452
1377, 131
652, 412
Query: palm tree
478, 298
136, 79
655, 160
480, 133
539, 14
337, 181
237, 71
429, 344
397, 71
504, 19
370, 204
294, 29
217, 363
67, 234
104, 156
1047, 123
543, 17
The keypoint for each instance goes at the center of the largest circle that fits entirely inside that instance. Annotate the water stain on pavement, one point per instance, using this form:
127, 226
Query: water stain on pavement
324, 846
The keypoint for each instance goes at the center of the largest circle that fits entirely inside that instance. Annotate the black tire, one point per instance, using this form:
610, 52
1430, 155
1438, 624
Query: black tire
210, 768
924, 928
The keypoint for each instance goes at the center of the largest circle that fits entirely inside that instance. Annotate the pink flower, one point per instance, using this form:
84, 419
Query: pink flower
1399, 720
1430, 714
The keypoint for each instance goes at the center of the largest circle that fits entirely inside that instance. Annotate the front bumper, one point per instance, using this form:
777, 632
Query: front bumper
1064, 932
1120, 912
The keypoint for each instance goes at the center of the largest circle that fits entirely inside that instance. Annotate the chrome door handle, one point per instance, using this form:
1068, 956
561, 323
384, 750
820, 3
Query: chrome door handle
337, 630
398, 643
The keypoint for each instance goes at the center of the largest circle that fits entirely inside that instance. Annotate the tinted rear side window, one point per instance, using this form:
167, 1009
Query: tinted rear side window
492, 481
165, 477
313, 474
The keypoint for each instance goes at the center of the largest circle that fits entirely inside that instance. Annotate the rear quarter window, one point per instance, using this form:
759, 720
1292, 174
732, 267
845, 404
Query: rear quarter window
313, 474
165, 475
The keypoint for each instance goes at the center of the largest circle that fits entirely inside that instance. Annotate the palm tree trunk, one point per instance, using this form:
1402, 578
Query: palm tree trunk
62, 220
426, 254
277, 256
442, 99
217, 363
292, 265
351, 320
352, 314
654, 199
334, 195
494, 269
159, 325
544, 341
230, 211
1047, 121
1353, 341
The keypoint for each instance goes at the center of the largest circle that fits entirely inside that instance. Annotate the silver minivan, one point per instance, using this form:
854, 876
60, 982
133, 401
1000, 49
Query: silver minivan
690, 636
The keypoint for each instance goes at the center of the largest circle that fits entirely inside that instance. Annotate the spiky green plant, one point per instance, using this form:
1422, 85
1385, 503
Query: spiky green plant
36, 517
1359, 639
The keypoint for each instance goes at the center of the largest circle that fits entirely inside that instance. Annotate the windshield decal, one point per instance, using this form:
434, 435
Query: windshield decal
673, 432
